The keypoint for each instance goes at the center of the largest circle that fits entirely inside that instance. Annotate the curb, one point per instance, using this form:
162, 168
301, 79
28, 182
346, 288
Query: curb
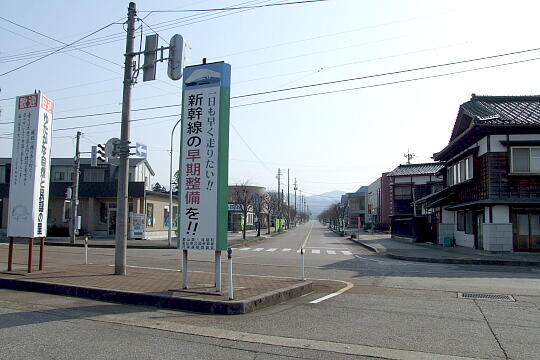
463, 261
369, 247
176, 303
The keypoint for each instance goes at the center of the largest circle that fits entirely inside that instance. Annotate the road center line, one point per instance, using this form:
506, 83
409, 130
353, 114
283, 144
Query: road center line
307, 237
340, 291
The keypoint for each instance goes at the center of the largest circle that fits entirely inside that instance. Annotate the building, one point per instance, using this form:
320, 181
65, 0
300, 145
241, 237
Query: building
491, 198
240, 196
97, 197
354, 207
408, 183
378, 203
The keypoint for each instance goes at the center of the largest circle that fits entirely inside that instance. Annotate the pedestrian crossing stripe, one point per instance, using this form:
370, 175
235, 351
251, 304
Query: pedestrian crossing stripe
306, 251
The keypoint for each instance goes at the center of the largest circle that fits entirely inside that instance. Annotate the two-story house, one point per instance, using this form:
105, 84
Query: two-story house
408, 183
491, 199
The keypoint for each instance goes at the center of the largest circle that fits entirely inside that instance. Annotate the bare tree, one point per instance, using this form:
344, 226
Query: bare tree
270, 202
243, 199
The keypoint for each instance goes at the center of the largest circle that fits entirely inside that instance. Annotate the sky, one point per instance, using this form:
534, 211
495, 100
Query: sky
336, 136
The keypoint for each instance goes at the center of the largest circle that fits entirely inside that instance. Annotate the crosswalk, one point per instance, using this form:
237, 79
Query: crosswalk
288, 250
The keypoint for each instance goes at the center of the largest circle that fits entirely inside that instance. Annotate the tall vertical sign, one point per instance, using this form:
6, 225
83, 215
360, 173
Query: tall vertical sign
30, 167
204, 156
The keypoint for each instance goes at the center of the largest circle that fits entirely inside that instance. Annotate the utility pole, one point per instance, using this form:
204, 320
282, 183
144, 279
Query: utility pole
278, 192
123, 151
75, 192
408, 156
288, 202
295, 188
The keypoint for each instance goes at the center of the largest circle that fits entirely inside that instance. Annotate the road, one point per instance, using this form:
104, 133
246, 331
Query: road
364, 306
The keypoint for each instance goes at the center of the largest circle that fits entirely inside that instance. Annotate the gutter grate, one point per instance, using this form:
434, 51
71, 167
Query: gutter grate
480, 296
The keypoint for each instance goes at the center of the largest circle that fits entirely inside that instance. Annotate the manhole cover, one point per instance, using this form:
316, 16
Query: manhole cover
479, 296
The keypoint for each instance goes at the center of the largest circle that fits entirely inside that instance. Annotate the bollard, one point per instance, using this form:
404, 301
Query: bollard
231, 287
184, 269
302, 274
86, 250
217, 268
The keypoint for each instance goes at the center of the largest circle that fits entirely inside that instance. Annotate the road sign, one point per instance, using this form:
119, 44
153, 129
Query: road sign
140, 150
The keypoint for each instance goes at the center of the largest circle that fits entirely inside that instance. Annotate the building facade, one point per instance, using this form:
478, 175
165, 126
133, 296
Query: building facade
491, 198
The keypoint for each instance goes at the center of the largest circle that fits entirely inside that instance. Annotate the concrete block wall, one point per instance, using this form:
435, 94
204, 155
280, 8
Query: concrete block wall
498, 237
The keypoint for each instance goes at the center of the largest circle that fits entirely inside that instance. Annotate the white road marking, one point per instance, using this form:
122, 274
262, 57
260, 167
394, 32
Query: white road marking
258, 249
246, 248
331, 252
272, 249
345, 252
340, 291
285, 250
315, 251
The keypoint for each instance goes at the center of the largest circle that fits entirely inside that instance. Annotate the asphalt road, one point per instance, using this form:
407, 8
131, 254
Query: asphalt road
363, 306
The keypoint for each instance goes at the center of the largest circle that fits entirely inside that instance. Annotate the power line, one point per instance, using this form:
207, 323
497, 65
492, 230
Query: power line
58, 41
234, 8
54, 52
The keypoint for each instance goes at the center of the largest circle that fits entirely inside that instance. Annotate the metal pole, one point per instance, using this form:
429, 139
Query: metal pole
123, 170
169, 233
86, 250
231, 287
295, 211
41, 250
75, 192
184, 269
10, 254
30, 248
218, 270
302, 262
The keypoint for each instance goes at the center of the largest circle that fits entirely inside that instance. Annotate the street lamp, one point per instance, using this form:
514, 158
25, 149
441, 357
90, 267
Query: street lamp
169, 233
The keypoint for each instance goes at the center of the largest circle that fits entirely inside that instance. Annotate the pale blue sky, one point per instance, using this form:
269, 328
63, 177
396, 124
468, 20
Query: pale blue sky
330, 142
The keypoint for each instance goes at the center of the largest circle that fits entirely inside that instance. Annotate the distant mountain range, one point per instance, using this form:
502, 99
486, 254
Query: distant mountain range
318, 203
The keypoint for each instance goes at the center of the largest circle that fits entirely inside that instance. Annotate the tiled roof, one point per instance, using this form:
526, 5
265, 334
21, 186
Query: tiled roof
504, 110
416, 169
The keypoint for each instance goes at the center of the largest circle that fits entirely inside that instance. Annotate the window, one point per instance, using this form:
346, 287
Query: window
175, 215
526, 159
59, 176
460, 171
461, 221
166, 216
103, 212
149, 214
402, 192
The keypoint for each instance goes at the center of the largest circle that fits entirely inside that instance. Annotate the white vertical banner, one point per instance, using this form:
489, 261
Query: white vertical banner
30, 167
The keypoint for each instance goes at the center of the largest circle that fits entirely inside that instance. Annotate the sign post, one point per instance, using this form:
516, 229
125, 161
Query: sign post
204, 156
30, 167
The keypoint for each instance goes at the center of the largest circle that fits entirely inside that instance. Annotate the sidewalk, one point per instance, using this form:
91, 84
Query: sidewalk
423, 252
158, 287
233, 239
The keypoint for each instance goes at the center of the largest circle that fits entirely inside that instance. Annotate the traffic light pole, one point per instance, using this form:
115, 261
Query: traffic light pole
75, 192
123, 173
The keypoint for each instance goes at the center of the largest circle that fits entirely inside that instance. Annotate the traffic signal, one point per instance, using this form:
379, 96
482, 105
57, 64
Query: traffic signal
101, 153
176, 57
150, 57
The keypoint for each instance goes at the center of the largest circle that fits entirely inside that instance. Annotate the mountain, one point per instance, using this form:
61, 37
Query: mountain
318, 203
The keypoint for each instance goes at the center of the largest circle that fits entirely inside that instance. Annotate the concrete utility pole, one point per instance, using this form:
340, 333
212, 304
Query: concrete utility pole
123, 150
278, 192
75, 192
295, 188
288, 201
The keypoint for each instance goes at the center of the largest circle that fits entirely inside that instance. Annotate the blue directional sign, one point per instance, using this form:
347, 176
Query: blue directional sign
140, 150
